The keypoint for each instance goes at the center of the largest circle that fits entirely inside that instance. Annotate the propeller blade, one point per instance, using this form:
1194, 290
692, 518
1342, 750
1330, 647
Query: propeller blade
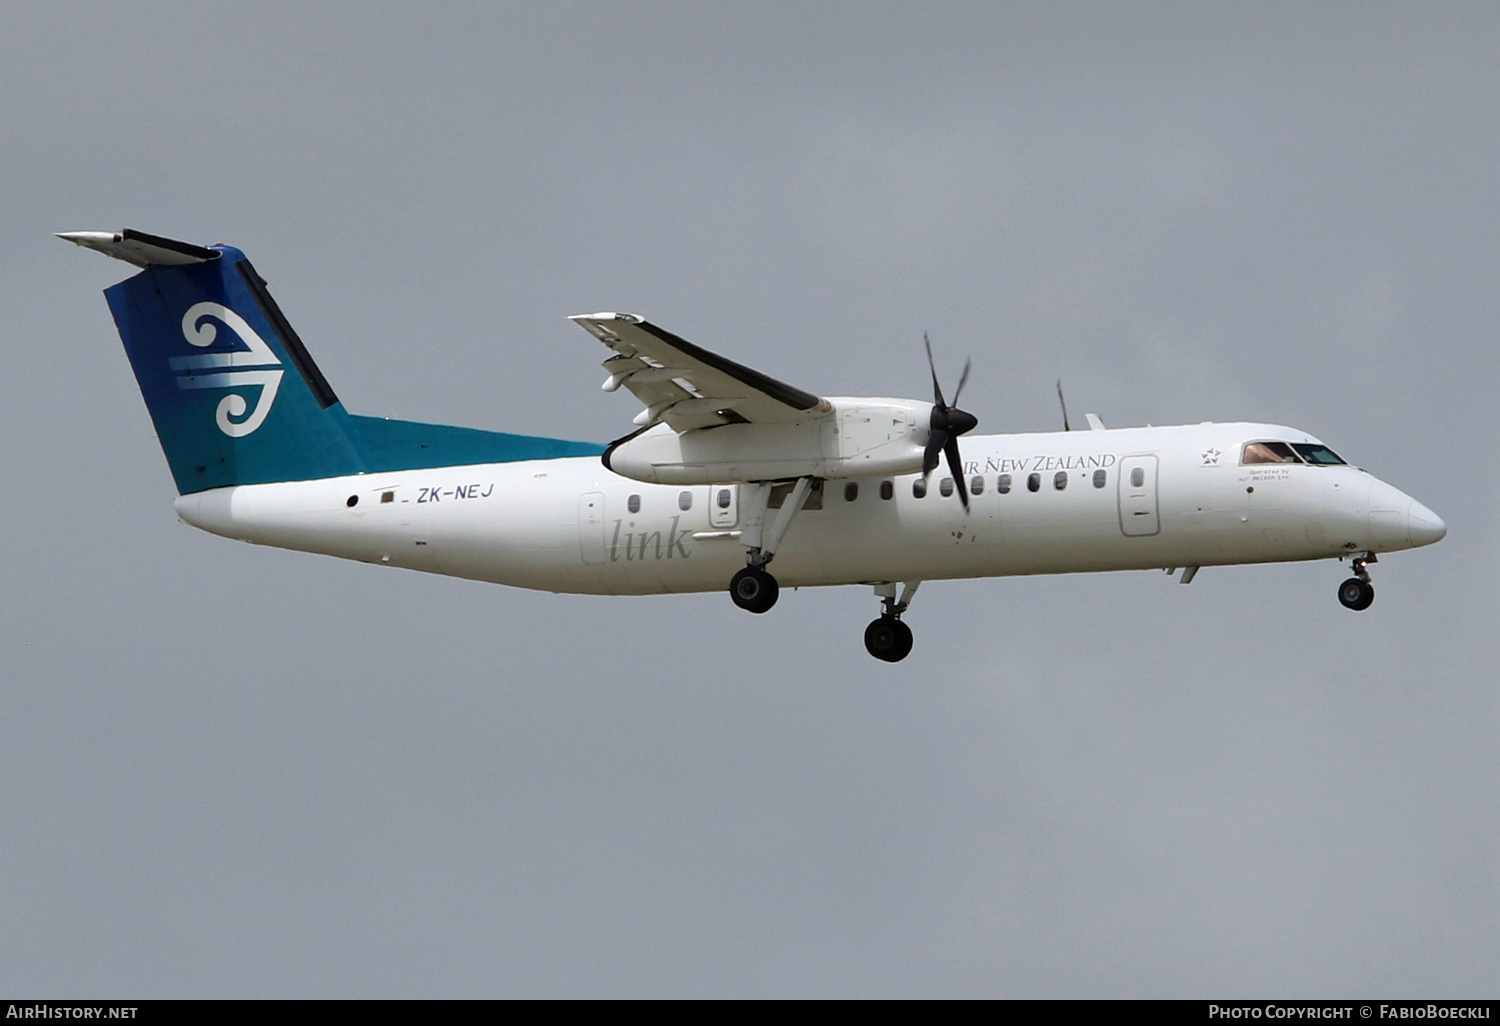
945, 425
937, 390
956, 467
1064, 402
962, 381
934, 449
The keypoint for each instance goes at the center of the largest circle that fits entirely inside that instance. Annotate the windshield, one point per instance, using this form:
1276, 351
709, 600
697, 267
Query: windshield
1294, 452
1269, 452
1318, 454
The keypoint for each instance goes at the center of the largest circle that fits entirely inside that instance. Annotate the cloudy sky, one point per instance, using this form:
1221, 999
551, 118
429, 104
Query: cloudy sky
228, 771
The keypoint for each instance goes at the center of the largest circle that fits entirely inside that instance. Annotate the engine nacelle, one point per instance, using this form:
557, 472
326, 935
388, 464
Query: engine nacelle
860, 437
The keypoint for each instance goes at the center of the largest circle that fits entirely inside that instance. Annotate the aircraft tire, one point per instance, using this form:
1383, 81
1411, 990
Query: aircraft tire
1356, 594
754, 590
888, 639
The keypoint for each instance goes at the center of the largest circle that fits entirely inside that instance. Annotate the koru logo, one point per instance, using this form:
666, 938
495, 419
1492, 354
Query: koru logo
200, 331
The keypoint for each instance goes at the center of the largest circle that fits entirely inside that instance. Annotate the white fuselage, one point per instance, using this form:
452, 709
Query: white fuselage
571, 525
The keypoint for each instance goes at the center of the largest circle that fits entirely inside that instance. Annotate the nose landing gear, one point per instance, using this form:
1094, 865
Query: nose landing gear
887, 638
1357, 592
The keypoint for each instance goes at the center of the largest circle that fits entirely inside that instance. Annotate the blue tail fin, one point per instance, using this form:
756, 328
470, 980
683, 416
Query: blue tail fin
234, 395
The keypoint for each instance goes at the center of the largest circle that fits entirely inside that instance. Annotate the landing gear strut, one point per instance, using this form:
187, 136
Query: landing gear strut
1357, 592
887, 638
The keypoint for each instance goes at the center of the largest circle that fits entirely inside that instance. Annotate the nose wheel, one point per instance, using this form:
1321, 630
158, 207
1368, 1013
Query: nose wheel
888, 638
1357, 592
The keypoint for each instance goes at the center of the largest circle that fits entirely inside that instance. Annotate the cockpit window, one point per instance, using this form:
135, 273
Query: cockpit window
1269, 452
1318, 455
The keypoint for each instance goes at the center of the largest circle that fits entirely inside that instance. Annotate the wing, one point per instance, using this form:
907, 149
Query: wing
688, 387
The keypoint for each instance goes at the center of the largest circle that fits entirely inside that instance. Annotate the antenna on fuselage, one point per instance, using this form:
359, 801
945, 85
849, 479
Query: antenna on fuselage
1064, 403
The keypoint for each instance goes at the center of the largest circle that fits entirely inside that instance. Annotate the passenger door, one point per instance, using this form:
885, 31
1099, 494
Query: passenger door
1138, 512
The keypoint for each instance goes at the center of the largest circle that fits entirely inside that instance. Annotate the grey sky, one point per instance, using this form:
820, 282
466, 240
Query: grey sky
236, 771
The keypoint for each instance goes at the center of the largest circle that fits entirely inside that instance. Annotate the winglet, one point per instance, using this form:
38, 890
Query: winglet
141, 249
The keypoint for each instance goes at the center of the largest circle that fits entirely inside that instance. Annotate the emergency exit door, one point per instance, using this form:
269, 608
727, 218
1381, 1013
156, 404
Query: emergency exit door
591, 528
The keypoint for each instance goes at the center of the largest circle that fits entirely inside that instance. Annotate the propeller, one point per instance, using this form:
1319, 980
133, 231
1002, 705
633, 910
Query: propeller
947, 423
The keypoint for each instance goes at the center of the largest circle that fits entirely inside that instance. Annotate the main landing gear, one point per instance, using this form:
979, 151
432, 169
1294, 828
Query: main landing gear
1357, 592
753, 588
887, 638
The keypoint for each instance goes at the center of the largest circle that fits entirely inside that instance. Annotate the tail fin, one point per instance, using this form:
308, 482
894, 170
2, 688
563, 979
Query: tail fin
234, 395
232, 391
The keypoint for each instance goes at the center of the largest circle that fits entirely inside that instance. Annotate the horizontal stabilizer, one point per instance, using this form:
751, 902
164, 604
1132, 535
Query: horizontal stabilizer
141, 249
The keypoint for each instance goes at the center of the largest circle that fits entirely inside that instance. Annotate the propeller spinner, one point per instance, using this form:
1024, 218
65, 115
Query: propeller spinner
947, 423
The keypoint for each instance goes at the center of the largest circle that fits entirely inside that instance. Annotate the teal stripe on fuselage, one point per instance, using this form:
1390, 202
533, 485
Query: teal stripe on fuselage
386, 445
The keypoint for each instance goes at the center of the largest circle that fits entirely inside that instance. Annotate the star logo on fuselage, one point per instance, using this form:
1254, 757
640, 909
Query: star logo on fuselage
1211, 458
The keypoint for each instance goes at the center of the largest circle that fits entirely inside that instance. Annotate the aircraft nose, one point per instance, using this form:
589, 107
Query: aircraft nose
1424, 526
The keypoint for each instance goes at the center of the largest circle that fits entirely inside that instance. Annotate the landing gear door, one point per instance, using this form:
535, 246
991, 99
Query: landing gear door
591, 528
1138, 512
724, 505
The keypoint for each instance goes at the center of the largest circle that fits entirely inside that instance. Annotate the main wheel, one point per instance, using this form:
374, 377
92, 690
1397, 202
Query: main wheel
889, 639
754, 589
1356, 594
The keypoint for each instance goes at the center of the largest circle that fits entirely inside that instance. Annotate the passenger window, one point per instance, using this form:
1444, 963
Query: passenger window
976, 485
1100, 477
1268, 452
685, 501
387, 496
918, 488
887, 489
1137, 477
1002, 484
851, 491
946, 486
633, 504
1060, 480
1034, 482
724, 498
